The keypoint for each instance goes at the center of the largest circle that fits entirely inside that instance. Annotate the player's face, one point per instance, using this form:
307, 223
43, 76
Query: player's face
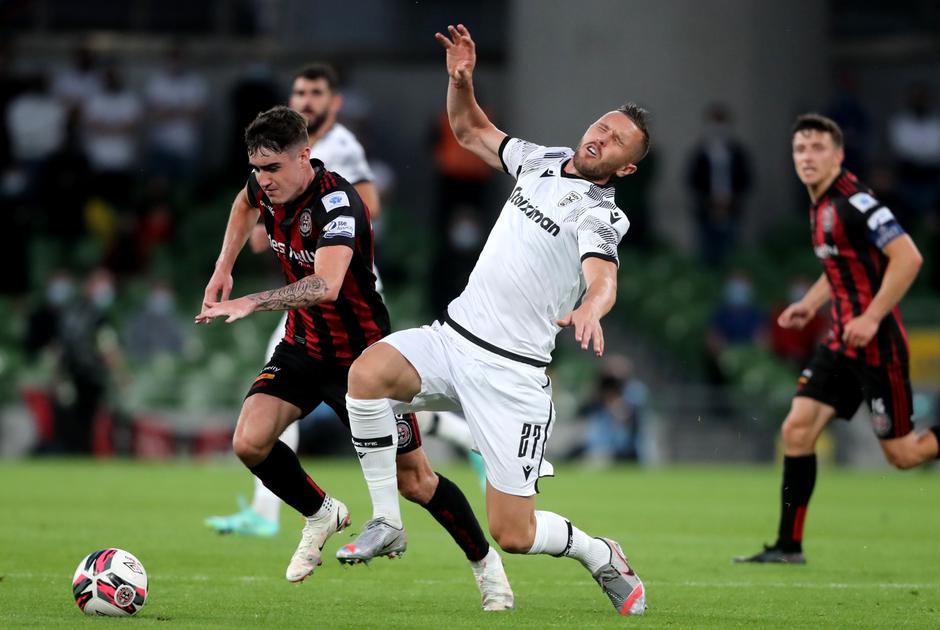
607, 148
815, 156
280, 175
313, 100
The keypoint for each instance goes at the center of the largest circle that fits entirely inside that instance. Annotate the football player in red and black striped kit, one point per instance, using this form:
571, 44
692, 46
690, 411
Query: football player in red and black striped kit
322, 235
869, 263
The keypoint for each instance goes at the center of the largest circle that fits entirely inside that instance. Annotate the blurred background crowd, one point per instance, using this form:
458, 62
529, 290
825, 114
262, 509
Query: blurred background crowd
121, 150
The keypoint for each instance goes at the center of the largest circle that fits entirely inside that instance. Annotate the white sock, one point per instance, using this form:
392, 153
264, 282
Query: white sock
375, 436
556, 536
454, 429
264, 502
479, 565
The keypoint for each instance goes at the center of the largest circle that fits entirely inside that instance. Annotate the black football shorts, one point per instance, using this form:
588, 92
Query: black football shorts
843, 383
297, 378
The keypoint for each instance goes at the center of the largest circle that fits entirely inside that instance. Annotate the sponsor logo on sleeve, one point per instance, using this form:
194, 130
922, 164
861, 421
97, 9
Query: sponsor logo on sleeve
334, 200
863, 202
340, 227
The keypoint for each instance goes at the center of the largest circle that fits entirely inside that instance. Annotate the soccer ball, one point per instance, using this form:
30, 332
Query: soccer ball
110, 582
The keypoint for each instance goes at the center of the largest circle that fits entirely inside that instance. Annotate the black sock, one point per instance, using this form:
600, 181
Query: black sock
450, 508
282, 474
799, 478
935, 429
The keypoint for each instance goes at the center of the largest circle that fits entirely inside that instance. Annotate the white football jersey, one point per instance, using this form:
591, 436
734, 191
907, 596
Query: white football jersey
340, 151
529, 273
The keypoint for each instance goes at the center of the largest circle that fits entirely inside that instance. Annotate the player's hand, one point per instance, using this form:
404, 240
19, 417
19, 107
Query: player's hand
232, 310
587, 328
860, 331
218, 290
797, 315
461, 53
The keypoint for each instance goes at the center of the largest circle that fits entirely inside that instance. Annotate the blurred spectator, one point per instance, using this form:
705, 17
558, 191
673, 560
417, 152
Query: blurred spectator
64, 190
155, 328
10, 85
718, 176
914, 138
80, 82
792, 345
110, 122
614, 414
736, 321
90, 354
42, 329
855, 122
176, 102
36, 126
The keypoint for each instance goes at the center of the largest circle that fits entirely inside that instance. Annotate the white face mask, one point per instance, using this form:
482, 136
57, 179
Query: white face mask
103, 296
59, 291
160, 302
464, 235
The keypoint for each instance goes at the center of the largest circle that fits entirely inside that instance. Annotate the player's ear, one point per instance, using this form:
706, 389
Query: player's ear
305, 154
629, 169
337, 103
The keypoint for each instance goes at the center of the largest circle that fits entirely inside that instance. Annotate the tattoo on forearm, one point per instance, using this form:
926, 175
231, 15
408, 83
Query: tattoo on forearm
305, 292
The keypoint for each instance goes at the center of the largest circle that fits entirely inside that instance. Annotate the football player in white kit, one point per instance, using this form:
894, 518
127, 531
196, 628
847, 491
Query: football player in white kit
315, 96
549, 262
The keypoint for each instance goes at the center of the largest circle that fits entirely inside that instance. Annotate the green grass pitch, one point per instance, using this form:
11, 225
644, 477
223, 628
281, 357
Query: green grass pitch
872, 546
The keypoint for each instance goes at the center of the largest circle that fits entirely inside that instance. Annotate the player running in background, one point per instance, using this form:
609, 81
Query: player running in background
314, 95
553, 246
869, 263
321, 233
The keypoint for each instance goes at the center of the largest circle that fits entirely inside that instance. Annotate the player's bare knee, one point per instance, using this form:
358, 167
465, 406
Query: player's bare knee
365, 379
797, 432
249, 451
511, 539
903, 460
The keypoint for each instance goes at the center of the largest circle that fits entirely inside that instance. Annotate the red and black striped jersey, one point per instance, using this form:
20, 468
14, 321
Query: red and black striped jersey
850, 229
329, 212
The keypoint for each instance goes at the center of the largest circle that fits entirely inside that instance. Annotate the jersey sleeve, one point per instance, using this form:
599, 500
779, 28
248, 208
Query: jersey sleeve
879, 223
600, 231
352, 165
513, 153
345, 217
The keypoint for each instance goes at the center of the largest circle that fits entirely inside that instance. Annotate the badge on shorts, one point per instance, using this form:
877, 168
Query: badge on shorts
306, 222
405, 433
880, 422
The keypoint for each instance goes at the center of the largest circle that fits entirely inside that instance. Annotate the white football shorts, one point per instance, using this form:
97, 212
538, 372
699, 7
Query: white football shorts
508, 404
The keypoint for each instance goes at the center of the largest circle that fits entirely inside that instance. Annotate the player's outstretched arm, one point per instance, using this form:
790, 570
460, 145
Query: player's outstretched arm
601, 278
241, 221
323, 286
904, 262
468, 121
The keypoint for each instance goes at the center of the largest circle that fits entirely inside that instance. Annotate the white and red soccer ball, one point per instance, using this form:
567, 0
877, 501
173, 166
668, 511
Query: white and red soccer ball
110, 582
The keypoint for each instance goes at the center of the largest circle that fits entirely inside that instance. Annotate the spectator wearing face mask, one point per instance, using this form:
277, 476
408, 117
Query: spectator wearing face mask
737, 320
155, 328
42, 329
89, 356
718, 176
